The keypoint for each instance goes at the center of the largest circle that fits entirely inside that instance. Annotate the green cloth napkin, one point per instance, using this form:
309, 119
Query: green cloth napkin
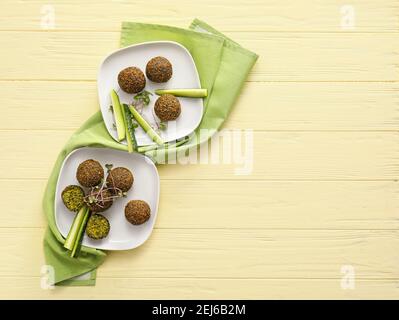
223, 66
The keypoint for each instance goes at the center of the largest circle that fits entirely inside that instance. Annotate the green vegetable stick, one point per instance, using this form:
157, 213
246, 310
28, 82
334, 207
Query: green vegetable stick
74, 231
166, 145
81, 231
119, 122
145, 125
189, 93
128, 136
130, 130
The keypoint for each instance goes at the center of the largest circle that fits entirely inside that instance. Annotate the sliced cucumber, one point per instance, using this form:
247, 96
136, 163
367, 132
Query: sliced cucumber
130, 136
74, 231
188, 93
118, 114
146, 126
79, 237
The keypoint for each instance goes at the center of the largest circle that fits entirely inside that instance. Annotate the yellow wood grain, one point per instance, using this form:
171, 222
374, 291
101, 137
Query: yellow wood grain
192, 288
227, 253
329, 106
322, 101
226, 15
242, 204
276, 156
283, 56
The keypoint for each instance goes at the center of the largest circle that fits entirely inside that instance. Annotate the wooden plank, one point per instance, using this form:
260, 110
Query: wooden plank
261, 106
227, 253
274, 156
188, 288
255, 15
241, 204
283, 56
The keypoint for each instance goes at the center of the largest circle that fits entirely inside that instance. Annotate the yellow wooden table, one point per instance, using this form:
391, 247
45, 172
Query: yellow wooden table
318, 216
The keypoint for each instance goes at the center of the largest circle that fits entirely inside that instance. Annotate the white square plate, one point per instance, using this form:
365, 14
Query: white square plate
185, 75
122, 235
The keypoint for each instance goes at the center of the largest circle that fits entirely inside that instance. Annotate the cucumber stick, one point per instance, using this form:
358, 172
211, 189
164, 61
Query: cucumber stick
118, 114
81, 231
188, 93
130, 137
74, 231
146, 126
167, 145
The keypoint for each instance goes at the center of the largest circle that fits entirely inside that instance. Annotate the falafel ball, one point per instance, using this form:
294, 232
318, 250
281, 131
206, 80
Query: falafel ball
167, 107
73, 197
120, 178
131, 80
159, 70
97, 227
103, 200
137, 212
90, 173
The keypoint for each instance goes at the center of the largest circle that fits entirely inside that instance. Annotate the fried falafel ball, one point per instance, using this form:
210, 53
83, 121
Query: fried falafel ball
90, 173
159, 70
131, 80
120, 178
137, 212
73, 197
100, 200
167, 107
97, 227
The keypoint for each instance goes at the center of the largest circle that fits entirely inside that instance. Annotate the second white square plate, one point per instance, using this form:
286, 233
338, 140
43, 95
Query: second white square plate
123, 235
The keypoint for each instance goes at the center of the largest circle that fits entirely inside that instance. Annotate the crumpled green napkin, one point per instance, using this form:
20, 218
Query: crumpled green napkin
223, 66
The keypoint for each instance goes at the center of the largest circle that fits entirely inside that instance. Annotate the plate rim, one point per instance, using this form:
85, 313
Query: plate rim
146, 159
144, 44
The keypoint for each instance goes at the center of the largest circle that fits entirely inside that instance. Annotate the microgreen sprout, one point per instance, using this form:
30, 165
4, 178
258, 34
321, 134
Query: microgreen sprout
141, 100
162, 125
